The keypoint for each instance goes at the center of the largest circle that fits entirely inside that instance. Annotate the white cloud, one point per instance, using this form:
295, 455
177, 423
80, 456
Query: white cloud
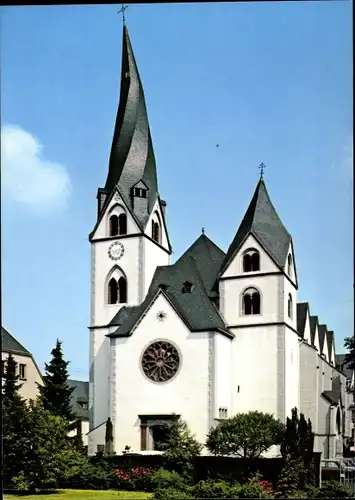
43, 186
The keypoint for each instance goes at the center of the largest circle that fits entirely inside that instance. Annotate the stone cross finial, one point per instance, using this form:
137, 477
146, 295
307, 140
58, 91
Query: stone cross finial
122, 11
262, 168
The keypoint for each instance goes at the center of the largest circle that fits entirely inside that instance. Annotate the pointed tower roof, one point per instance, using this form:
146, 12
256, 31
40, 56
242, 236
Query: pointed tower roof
132, 156
262, 220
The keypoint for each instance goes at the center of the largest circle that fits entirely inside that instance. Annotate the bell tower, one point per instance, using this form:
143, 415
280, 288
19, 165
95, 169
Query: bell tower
258, 296
129, 239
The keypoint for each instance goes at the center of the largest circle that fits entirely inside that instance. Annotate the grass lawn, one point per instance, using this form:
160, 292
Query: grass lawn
83, 495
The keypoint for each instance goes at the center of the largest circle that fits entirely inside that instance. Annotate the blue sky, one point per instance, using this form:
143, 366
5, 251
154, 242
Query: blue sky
268, 82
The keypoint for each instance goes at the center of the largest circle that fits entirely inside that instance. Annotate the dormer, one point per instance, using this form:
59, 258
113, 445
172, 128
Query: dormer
303, 322
139, 194
330, 347
314, 332
323, 348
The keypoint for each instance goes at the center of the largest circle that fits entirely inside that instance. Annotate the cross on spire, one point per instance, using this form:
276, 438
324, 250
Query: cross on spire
122, 11
262, 168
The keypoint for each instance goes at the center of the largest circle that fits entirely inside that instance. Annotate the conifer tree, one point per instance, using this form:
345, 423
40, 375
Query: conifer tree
11, 383
15, 434
55, 393
297, 447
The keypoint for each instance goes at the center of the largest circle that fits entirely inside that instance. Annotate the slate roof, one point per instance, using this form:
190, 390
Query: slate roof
262, 220
199, 265
313, 320
302, 308
332, 396
79, 395
330, 342
11, 345
132, 157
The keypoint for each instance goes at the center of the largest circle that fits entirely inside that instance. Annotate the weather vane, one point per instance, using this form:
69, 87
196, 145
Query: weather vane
262, 168
122, 11
203, 230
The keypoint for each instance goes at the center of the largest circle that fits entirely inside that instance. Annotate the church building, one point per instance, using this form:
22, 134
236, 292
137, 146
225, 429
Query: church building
215, 333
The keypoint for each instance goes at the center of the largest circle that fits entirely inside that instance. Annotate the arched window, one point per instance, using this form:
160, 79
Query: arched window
338, 421
251, 261
251, 302
122, 224
156, 231
122, 290
289, 264
112, 291
114, 225
290, 306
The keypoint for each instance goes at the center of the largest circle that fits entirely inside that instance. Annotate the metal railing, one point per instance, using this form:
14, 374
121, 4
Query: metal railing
346, 469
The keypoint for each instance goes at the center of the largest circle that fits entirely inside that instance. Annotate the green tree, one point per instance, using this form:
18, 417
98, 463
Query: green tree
55, 392
11, 383
349, 344
49, 454
245, 435
15, 436
180, 447
297, 447
289, 479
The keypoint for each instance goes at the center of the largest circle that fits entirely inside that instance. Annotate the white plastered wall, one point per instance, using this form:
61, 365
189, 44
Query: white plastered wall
186, 394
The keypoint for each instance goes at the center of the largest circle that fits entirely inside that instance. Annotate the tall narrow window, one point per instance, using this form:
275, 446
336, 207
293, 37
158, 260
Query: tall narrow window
156, 232
251, 261
112, 291
113, 225
290, 306
22, 371
247, 263
122, 291
251, 302
289, 264
122, 224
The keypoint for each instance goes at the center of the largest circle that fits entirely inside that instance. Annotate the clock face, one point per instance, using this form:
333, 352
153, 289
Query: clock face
115, 250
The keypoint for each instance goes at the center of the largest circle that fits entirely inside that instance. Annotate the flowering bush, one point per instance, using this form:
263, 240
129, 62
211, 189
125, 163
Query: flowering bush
265, 485
135, 479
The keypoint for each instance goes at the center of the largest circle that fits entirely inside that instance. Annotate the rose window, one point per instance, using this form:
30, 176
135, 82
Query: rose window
160, 361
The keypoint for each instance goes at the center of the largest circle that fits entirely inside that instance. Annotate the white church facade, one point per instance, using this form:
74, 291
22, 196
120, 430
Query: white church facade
207, 337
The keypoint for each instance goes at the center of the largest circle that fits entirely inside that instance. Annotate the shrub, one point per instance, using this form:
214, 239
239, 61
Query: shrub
88, 476
329, 489
254, 488
135, 479
163, 478
171, 494
211, 489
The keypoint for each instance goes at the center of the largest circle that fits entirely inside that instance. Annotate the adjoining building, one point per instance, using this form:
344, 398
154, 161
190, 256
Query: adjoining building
26, 366
80, 408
